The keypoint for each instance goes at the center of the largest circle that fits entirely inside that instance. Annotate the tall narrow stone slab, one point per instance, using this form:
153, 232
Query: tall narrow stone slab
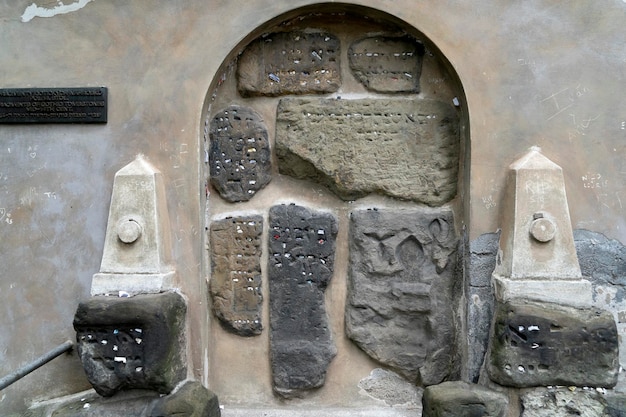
236, 273
537, 257
399, 308
387, 64
301, 251
239, 159
290, 63
137, 246
540, 344
407, 149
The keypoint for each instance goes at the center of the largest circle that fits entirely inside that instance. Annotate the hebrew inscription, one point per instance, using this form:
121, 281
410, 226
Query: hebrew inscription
236, 273
240, 155
539, 344
387, 64
301, 250
407, 149
401, 275
290, 63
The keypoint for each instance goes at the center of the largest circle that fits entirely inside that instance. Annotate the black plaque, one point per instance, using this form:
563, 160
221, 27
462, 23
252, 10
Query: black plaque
53, 105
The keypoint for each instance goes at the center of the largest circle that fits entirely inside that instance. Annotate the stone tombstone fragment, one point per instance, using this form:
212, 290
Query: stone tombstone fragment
460, 399
301, 252
239, 155
399, 308
299, 62
387, 64
235, 284
562, 402
540, 344
132, 342
408, 149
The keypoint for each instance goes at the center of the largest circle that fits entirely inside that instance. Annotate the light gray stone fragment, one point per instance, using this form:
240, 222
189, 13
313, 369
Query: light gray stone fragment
460, 399
290, 63
301, 251
387, 386
387, 64
399, 308
540, 344
235, 284
562, 402
239, 158
407, 149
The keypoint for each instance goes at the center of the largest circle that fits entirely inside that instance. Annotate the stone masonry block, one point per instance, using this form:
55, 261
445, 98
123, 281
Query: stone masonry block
401, 276
540, 344
239, 158
235, 284
301, 250
460, 399
387, 64
290, 63
135, 342
408, 149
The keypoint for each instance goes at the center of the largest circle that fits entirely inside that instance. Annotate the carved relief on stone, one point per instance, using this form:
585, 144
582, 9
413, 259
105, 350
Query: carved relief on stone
132, 343
407, 149
239, 158
387, 64
399, 308
281, 63
301, 251
235, 284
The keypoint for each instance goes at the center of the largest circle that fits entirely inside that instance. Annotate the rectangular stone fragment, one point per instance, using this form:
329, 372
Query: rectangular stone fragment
408, 149
301, 251
235, 283
540, 344
290, 63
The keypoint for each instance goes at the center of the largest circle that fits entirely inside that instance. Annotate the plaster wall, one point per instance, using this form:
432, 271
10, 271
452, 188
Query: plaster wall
534, 73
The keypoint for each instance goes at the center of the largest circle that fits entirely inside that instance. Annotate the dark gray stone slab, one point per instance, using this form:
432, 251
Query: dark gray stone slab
399, 308
301, 251
387, 64
407, 149
239, 158
540, 344
290, 63
460, 399
561, 402
235, 284
132, 343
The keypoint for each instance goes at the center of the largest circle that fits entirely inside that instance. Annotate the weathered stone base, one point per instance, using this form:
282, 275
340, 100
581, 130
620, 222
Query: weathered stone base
540, 344
574, 292
562, 402
132, 284
460, 399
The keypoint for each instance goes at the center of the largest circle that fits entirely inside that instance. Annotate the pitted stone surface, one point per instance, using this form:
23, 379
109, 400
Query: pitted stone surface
301, 251
402, 265
562, 402
460, 399
236, 273
240, 154
407, 149
132, 343
540, 344
290, 63
387, 64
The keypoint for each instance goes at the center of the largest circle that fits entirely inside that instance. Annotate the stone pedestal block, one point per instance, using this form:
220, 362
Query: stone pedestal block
290, 63
132, 343
239, 158
387, 64
460, 399
236, 273
407, 149
301, 250
540, 344
400, 299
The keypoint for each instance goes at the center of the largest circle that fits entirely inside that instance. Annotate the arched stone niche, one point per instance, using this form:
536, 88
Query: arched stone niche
336, 151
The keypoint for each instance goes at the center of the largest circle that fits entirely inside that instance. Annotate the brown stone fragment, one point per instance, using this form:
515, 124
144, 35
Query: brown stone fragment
290, 63
387, 64
460, 399
236, 273
408, 149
